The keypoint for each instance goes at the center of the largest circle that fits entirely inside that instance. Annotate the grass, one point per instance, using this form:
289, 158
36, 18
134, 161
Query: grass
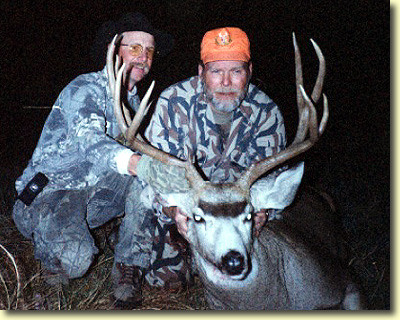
23, 286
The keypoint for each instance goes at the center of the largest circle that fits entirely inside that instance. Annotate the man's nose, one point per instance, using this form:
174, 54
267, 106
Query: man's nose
226, 79
142, 57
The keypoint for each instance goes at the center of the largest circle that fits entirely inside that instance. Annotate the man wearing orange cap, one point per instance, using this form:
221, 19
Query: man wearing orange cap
218, 117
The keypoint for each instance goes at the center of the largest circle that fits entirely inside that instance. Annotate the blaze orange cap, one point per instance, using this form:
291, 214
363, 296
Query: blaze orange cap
225, 44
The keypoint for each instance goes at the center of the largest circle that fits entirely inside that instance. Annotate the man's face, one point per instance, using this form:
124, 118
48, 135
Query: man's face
136, 50
225, 83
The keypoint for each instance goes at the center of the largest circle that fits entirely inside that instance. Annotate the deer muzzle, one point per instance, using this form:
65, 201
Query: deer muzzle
233, 263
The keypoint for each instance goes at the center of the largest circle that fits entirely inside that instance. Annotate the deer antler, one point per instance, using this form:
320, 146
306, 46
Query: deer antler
129, 127
308, 122
111, 67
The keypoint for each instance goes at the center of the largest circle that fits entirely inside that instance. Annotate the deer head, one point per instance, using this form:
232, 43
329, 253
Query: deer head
220, 215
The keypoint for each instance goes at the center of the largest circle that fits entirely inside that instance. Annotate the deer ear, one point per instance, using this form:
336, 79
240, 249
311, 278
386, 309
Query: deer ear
277, 190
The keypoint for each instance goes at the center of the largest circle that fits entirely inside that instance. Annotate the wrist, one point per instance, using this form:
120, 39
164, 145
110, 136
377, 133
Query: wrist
122, 160
132, 164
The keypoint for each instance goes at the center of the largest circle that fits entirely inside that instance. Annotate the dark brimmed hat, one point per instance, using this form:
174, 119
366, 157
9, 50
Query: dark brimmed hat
133, 21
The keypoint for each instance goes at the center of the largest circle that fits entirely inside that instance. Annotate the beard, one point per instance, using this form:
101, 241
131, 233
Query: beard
227, 105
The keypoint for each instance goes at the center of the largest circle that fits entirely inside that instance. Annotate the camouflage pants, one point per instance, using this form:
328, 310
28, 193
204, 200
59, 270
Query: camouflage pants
59, 223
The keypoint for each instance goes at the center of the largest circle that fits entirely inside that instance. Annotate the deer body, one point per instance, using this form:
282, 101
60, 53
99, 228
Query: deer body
290, 266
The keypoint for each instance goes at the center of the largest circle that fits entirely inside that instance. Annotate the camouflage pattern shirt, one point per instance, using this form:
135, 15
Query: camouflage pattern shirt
183, 125
77, 147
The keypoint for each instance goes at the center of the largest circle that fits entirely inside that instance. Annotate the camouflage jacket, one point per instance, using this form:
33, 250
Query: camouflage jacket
77, 146
183, 125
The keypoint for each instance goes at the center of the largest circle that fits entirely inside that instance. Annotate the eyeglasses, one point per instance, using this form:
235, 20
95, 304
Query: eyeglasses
136, 50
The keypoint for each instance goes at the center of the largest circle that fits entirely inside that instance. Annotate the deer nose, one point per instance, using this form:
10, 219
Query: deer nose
233, 262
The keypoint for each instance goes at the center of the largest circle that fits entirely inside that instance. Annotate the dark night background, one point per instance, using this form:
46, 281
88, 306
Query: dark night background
45, 44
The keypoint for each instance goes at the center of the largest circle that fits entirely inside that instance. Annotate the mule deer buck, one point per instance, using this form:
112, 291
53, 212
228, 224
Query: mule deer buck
291, 265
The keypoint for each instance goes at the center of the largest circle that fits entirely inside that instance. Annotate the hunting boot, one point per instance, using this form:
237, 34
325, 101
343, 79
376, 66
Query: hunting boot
127, 286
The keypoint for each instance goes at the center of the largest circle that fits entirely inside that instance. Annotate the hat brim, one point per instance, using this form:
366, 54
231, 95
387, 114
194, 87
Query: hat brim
136, 21
225, 55
129, 22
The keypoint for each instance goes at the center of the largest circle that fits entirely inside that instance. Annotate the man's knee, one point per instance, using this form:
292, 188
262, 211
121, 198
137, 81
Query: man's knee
71, 257
76, 260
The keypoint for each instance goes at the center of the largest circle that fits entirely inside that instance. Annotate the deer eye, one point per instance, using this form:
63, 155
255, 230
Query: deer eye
248, 217
198, 218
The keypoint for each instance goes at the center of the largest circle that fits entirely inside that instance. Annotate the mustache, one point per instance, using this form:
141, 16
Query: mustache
227, 90
139, 65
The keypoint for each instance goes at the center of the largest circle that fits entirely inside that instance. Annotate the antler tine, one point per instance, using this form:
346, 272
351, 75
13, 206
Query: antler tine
110, 64
319, 83
302, 127
140, 113
325, 116
116, 65
112, 70
308, 122
127, 115
299, 71
313, 121
117, 102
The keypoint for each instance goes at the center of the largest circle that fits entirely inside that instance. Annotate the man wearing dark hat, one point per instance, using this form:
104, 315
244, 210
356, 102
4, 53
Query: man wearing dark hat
79, 176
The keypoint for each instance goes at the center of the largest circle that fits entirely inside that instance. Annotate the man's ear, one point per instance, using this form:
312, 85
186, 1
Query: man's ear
201, 69
250, 68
